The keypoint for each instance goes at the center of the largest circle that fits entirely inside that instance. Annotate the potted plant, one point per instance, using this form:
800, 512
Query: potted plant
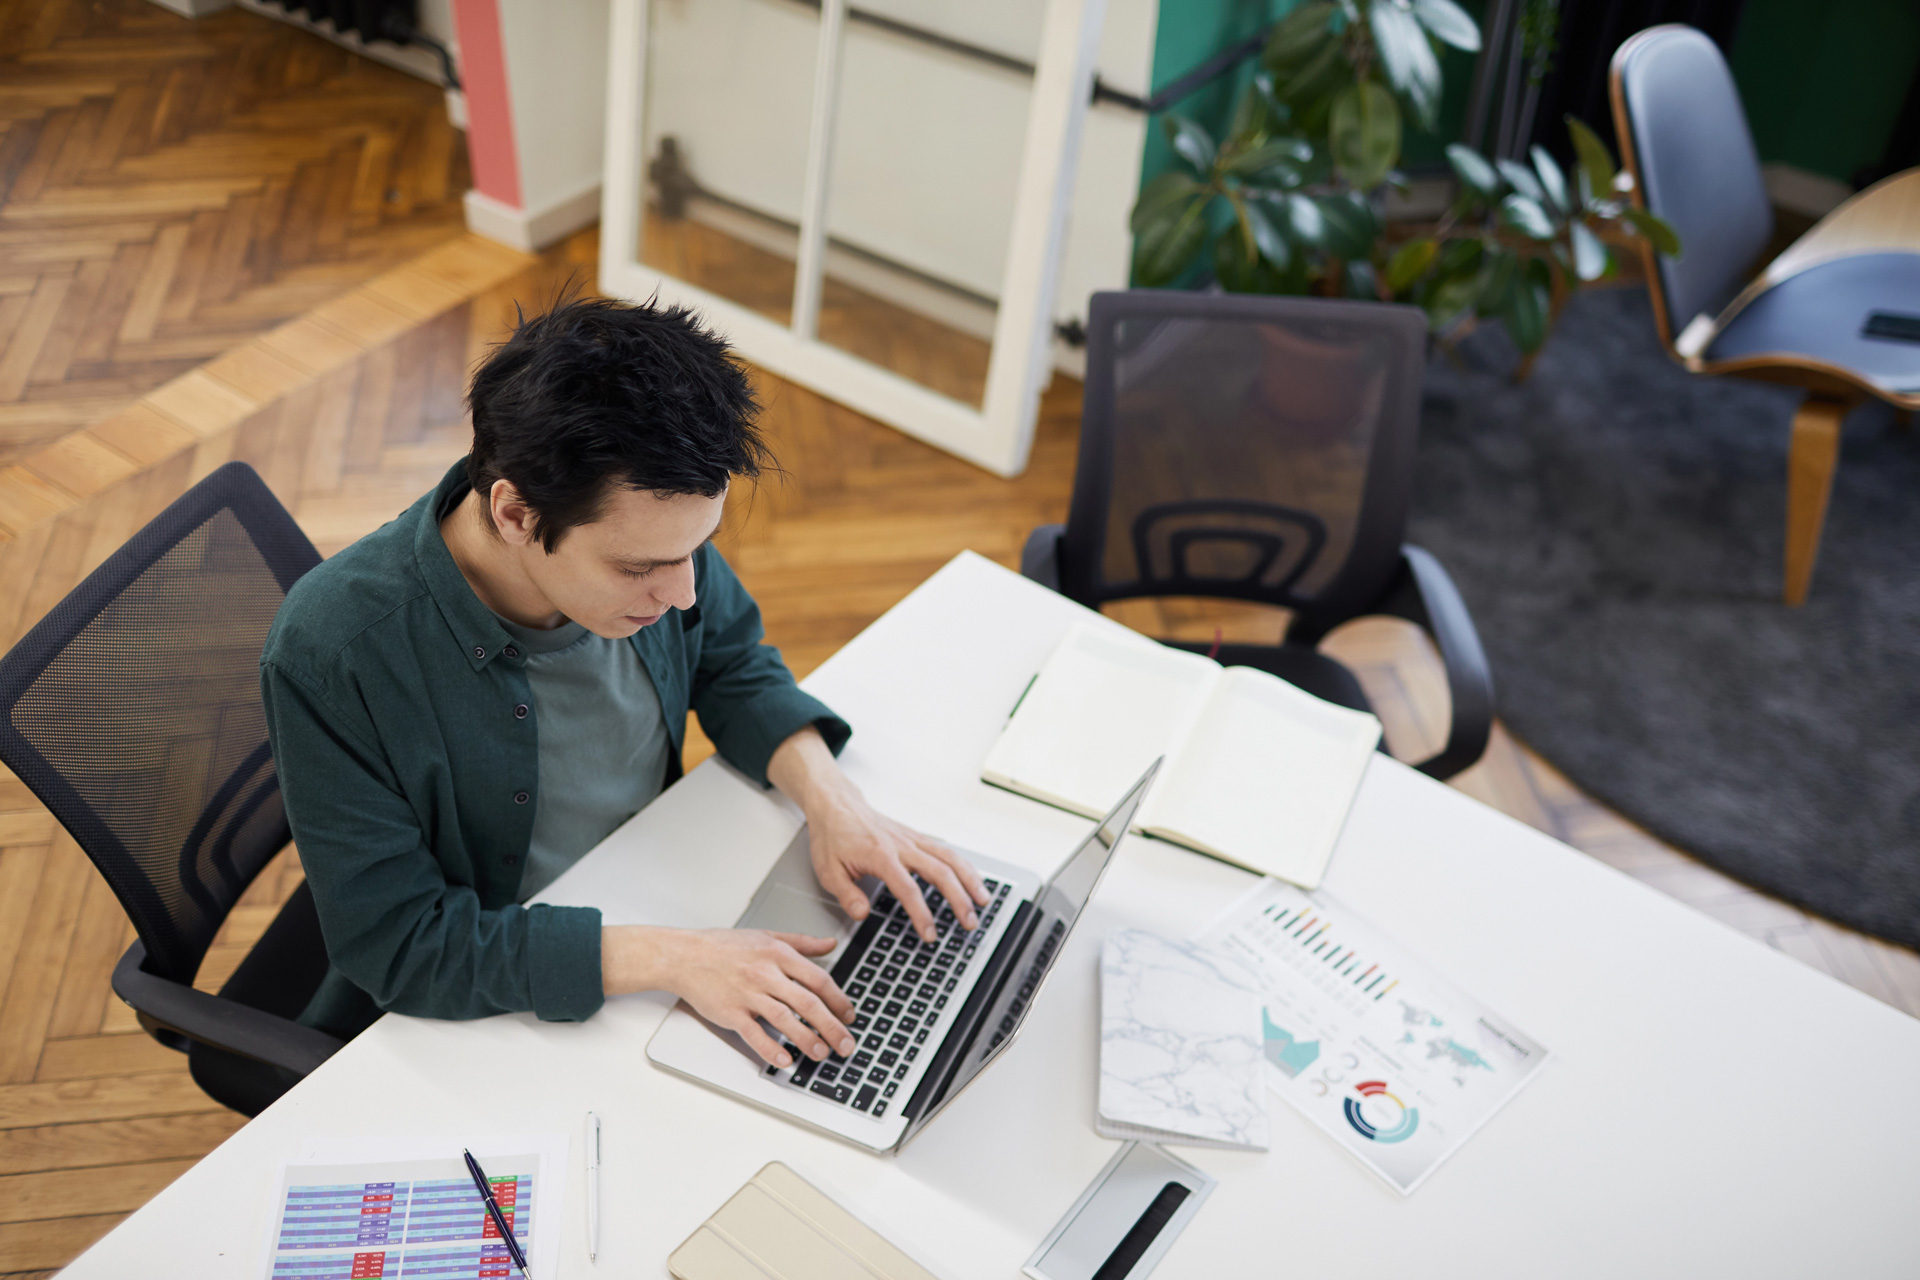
1313, 145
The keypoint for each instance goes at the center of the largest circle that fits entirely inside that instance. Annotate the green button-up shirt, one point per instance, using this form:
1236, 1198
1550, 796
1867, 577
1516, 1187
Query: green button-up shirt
403, 729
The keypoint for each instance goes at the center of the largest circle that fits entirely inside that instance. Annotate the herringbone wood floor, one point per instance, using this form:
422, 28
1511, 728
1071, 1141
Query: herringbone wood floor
170, 187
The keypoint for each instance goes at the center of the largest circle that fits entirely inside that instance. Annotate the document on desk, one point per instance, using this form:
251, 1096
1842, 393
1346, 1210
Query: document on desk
348, 1209
1394, 1062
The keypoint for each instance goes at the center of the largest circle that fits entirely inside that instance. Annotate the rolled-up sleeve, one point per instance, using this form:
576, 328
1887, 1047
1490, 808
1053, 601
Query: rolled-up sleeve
745, 696
395, 926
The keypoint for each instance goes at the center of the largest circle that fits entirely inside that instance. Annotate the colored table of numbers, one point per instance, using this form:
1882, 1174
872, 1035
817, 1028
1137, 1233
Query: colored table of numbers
434, 1227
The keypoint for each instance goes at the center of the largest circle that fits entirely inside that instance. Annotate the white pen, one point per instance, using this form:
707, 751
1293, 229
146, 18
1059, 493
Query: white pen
593, 1186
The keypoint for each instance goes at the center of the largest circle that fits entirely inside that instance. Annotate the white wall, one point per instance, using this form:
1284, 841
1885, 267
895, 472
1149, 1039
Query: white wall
557, 81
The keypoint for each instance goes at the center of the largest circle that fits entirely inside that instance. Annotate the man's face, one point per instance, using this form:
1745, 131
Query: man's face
624, 570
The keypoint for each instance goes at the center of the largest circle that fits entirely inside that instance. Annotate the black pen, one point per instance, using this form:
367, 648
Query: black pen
493, 1211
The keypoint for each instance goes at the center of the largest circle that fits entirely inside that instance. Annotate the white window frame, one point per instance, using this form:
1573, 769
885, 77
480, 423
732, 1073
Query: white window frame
999, 434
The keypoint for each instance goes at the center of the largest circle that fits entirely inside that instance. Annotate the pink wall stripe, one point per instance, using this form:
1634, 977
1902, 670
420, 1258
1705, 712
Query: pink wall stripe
483, 71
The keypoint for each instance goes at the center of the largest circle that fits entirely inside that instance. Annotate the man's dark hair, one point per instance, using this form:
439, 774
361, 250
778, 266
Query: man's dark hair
596, 394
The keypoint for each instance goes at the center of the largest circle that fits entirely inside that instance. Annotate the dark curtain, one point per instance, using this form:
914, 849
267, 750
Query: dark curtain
1590, 30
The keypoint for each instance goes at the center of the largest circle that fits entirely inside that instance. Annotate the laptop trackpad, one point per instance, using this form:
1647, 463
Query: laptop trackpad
781, 908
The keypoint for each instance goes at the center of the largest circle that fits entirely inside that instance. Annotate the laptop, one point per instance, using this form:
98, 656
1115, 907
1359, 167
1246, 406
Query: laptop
929, 1016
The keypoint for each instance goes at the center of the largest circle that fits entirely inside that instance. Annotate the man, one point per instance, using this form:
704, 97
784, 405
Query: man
464, 702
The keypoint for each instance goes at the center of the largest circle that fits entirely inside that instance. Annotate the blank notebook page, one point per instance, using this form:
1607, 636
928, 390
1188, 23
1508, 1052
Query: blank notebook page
1104, 707
1267, 775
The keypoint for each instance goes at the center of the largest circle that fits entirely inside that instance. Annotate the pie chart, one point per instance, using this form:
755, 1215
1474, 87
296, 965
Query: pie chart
1378, 1116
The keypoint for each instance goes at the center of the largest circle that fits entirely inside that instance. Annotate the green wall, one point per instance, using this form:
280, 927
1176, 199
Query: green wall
1822, 81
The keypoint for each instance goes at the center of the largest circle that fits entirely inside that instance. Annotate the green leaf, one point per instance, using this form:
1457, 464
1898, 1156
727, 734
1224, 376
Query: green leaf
1300, 36
1458, 256
1307, 90
1596, 164
1473, 170
1273, 246
1448, 23
1165, 247
1361, 281
1589, 255
1170, 188
1351, 229
1410, 261
1525, 313
1452, 297
1263, 86
1364, 133
1522, 179
1499, 268
1308, 224
1191, 142
1283, 153
1526, 216
1662, 236
1407, 58
1552, 180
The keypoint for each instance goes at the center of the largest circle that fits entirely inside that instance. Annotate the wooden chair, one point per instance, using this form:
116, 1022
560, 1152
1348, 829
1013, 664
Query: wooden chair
1684, 139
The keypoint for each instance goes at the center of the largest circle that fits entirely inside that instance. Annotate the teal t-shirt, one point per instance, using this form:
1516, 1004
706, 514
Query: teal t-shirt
603, 743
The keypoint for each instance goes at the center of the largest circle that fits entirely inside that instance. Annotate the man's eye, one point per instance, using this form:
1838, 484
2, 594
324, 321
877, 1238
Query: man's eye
638, 573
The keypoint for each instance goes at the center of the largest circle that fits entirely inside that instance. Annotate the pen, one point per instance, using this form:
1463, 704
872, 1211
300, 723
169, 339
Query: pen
593, 1186
493, 1211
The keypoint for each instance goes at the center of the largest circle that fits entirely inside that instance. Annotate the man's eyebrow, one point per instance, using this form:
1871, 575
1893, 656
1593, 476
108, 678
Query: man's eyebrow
630, 563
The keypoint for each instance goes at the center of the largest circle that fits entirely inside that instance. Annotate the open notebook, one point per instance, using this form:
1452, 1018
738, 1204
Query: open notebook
1258, 772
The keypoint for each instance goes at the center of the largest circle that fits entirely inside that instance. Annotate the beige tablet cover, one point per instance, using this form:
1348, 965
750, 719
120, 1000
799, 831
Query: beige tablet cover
781, 1227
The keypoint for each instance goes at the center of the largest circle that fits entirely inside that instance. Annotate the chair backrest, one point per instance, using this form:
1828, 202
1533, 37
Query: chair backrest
133, 711
1257, 448
1684, 138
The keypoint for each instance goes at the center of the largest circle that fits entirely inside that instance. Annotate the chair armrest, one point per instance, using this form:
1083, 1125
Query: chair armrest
1424, 594
221, 1024
1040, 558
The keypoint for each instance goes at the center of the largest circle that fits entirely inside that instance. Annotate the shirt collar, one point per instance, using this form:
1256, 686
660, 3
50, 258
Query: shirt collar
474, 626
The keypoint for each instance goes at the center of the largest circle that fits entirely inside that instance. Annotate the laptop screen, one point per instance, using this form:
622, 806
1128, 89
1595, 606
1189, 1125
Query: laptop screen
1055, 910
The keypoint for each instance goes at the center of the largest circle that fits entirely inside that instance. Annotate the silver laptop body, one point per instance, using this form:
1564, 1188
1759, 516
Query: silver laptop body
928, 1017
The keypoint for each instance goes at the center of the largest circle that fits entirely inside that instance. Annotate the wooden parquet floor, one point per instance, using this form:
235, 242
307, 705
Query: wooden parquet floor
95, 1118
170, 187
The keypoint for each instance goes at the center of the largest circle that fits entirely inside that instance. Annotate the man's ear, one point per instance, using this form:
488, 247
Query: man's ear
511, 515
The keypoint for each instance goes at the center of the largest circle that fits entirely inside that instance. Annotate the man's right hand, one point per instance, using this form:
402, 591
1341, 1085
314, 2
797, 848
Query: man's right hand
733, 978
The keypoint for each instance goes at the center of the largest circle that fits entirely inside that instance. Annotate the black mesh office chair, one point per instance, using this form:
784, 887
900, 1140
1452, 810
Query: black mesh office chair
133, 711
1258, 448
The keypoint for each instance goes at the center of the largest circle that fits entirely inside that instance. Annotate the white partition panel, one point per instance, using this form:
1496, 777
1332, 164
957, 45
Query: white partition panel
805, 183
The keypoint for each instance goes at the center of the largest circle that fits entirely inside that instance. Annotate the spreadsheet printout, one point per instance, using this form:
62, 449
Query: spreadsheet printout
405, 1209
1391, 1060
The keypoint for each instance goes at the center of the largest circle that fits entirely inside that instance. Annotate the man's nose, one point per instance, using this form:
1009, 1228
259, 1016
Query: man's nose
678, 592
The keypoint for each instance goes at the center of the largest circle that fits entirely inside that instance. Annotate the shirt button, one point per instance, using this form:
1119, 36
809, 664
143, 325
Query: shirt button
512, 652
520, 712
521, 797
479, 651
511, 860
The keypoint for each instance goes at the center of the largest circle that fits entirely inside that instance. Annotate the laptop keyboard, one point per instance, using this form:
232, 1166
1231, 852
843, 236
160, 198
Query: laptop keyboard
901, 988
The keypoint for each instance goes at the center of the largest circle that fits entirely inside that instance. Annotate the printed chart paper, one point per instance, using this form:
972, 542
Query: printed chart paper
385, 1209
1393, 1061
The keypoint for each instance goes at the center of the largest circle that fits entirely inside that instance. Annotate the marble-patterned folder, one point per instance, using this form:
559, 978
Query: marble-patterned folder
1179, 1045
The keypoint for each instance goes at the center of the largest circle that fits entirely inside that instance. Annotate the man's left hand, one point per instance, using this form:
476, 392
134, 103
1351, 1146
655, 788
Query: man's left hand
851, 839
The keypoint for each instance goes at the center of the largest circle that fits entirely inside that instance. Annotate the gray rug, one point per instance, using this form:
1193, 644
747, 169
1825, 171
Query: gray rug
1616, 527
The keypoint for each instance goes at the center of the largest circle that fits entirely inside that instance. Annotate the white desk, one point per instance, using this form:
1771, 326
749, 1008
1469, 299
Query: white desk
1715, 1108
